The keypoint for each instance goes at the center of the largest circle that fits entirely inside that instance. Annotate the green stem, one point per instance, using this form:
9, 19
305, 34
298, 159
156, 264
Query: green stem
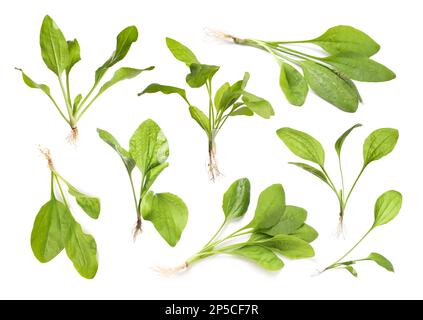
58, 109
68, 89
80, 114
354, 185
216, 234
68, 106
52, 185
134, 194
296, 53
211, 108
61, 190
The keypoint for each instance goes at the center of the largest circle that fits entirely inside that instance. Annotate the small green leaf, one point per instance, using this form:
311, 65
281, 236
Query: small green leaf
76, 103
264, 257
330, 86
200, 118
30, 83
236, 199
340, 141
168, 213
306, 233
302, 145
51, 230
124, 41
258, 105
292, 219
124, 155
351, 270
293, 84
148, 146
152, 175
314, 171
54, 48
346, 39
123, 74
270, 208
181, 52
81, 249
381, 261
360, 68
244, 111
379, 144
74, 54
290, 247
90, 205
220, 94
155, 87
387, 207
200, 74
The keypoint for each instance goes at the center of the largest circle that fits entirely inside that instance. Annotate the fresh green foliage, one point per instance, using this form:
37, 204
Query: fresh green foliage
346, 57
56, 229
387, 207
148, 151
228, 101
60, 56
276, 229
377, 145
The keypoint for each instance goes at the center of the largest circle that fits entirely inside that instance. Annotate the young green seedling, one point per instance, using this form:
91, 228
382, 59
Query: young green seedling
148, 151
56, 229
387, 207
377, 145
347, 58
276, 229
228, 101
60, 56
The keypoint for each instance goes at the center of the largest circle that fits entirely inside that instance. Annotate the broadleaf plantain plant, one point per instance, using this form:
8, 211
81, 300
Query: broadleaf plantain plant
56, 229
387, 207
348, 51
148, 151
276, 229
60, 56
377, 145
228, 101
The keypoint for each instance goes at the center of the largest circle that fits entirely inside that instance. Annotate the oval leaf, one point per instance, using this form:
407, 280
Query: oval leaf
155, 87
200, 118
258, 105
168, 213
200, 74
90, 205
181, 52
387, 207
292, 219
340, 141
379, 144
74, 54
330, 86
306, 233
244, 111
123, 74
381, 261
236, 199
264, 257
148, 146
302, 145
290, 247
293, 84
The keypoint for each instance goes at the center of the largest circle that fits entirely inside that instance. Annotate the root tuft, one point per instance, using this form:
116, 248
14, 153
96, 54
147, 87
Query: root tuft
137, 230
47, 155
72, 138
340, 233
222, 36
169, 272
212, 165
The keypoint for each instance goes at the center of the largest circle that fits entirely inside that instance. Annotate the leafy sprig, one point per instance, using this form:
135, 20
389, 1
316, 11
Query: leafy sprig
348, 51
228, 101
387, 207
60, 56
276, 229
55, 229
148, 151
378, 144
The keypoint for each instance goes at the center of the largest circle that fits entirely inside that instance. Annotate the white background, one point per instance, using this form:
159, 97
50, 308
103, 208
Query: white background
246, 147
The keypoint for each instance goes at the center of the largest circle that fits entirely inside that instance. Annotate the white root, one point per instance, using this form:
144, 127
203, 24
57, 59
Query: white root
47, 155
72, 138
213, 165
169, 272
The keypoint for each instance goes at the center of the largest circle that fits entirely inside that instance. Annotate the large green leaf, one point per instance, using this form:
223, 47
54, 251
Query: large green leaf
306, 233
264, 257
30, 83
330, 86
381, 261
387, 207
74, 54
148, 146
258, 105
291, 220
200, 118
341, 139
181, 52
200, 74
81, 249
302, 145
124, 155
346, 39
293, 84
290, 247
124, 41
379, 143
236, 199
90, 204
54, 48
359, 67
155, 87
51, 230
270, 208
168, 213
123, 74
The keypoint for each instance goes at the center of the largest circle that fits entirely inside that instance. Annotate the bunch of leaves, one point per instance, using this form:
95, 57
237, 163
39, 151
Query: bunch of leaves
387, 207
347, 57
276, 229
56, 229
228, 101
148, 151
60, 56
377, 145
